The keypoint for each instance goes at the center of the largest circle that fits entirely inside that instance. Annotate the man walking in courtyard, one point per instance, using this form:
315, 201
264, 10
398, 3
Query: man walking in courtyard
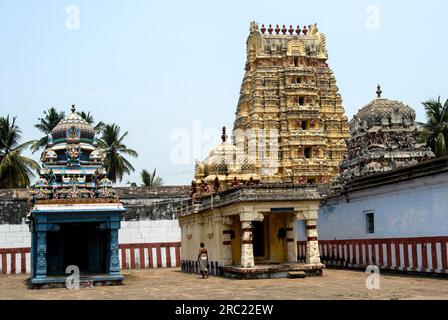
203, 261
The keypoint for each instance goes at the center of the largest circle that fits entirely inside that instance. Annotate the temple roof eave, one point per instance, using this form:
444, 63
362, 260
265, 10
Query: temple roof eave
255, 194
78, 205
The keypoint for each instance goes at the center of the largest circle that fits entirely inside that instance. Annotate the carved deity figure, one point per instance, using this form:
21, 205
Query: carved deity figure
51, 177
193, 188
204, 187
73, 193
235, 182
253, 27
396, 117
73, 134
250, 181
73, 152
216, 184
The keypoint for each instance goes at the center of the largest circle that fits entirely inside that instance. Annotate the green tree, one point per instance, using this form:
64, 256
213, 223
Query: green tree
112, 143
90, 120
46, 125
435, 130
15, 169
151, 180
132, 184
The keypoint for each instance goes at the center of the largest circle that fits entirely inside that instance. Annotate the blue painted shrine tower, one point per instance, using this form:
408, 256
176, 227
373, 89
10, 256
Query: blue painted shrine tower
75, 214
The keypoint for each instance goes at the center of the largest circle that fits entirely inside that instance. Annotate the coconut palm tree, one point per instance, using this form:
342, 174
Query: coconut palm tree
151, 180
114, 148
90, 120
435, 130
45, 125
15, 169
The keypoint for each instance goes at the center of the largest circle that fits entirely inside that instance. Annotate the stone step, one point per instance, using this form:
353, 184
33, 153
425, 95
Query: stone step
296, 274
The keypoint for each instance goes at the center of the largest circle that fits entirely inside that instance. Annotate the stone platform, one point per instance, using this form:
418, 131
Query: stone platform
266, 271
164, 283
84, 281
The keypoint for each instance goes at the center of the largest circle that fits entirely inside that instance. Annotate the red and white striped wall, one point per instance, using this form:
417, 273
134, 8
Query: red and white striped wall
132, 256
149, 255
15, 260
423, 254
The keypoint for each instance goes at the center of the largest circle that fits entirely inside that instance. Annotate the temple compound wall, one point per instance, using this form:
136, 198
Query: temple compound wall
149, 234
396, 220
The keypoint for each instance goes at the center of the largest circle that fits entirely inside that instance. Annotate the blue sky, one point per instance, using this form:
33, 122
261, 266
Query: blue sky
159, 67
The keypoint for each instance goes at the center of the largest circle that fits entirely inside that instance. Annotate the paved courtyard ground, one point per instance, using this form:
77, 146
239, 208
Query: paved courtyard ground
173, 284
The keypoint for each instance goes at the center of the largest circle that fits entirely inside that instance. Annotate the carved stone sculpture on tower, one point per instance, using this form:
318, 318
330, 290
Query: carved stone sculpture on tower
383, 137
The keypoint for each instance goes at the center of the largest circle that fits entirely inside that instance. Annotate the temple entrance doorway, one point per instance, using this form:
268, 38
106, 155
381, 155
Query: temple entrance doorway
269, 239
81, 244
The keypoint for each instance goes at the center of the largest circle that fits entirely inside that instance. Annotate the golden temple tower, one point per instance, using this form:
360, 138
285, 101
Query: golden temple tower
290, 116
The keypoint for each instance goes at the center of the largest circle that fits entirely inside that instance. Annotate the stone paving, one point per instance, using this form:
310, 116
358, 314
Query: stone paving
174, 284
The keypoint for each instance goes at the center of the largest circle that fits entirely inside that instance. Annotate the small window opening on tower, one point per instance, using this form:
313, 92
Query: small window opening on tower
307, 152
302, 101
304, 124
296, 61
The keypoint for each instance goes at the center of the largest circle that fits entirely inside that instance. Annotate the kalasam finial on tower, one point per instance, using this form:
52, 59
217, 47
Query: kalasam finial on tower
73, 108
378, 91
224, 136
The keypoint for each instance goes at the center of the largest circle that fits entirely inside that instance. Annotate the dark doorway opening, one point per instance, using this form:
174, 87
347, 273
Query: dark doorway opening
84, 245
307, 152
258, 238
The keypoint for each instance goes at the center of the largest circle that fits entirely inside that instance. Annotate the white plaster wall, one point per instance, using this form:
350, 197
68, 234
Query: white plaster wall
15, 236
415, 208
149, 231
301, 230
144, 231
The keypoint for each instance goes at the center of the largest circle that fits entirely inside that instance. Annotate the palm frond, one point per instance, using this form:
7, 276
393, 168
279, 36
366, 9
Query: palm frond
112, 144
435, 129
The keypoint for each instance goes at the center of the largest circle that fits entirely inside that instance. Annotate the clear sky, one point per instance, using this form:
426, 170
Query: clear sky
160, 68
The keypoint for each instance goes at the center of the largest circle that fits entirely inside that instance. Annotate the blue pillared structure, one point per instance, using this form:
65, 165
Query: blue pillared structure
75, 213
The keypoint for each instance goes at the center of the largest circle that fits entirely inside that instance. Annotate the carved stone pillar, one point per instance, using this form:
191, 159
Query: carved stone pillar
227, 258
114, 260
291, 239
312, 247
247, 250
41, 254
112, 227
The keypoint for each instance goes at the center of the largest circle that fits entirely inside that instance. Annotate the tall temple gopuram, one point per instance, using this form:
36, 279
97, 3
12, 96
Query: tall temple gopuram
288, 137
290, 125
289, 94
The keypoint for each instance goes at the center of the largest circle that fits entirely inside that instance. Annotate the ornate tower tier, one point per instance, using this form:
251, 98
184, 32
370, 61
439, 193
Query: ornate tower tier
384, 136
72, 163
290, 116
